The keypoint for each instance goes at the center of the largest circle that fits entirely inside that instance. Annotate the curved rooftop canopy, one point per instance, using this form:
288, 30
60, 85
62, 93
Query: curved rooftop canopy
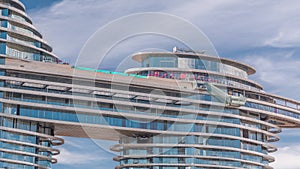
139, 57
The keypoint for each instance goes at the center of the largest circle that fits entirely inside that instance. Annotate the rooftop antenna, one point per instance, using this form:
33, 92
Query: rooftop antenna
175, 49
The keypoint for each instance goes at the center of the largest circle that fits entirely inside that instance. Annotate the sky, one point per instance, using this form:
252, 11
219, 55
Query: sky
264, 34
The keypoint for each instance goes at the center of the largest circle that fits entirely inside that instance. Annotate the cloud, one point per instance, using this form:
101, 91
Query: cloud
68, 25
68, 157
289, 37
277, 71
73, 152
79, 153
236, 24
287, 157
231, 25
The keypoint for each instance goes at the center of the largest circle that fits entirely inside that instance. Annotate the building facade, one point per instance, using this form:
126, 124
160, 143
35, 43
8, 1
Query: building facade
179, 110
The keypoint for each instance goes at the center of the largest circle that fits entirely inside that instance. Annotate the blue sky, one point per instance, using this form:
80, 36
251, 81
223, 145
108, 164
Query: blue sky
264, 34
36, 4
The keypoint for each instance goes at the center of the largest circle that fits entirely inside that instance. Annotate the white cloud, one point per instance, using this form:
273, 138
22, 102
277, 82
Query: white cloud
237, 24
84, 152
287, 157
69, 157
68, 25
289, 37
278, 71
232, 24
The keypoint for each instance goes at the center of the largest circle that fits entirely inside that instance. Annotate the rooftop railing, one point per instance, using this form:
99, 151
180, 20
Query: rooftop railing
108, 72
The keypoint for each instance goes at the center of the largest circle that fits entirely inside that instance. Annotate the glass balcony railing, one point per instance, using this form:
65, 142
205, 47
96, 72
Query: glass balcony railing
198, 77
21, 30
17, 17
21, 54
22, 41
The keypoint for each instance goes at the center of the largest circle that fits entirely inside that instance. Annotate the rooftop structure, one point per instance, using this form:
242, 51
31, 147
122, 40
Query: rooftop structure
179, 110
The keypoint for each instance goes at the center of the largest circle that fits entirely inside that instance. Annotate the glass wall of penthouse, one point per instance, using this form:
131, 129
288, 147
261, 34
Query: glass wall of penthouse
192, 67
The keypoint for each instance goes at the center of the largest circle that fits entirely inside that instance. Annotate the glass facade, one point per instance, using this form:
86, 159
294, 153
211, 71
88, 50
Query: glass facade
23, 143
173, 61
246, 138
22, 40
200, 77
26, 147
205, 138
158, 126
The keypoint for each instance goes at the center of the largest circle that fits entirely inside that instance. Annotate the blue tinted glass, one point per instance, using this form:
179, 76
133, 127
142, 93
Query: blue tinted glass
2, 48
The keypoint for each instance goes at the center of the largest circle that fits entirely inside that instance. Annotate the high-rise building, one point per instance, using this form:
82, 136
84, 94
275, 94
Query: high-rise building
179, 110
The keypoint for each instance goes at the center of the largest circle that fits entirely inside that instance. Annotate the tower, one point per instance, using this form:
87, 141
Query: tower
179, 110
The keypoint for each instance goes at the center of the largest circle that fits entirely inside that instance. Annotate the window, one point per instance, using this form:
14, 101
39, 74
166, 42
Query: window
245, 134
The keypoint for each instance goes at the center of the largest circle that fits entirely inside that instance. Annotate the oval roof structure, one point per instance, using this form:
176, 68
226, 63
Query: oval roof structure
139, 57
